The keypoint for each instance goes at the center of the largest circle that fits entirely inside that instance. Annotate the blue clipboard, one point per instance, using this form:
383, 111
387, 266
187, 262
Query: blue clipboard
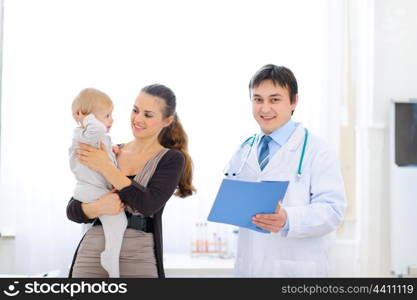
238, 201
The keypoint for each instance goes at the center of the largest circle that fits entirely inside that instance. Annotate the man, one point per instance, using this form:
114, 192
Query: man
303, 228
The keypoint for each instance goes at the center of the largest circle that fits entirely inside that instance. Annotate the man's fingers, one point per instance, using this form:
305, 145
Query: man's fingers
265, 222
278, 208
266, 227
274, 224
267, 216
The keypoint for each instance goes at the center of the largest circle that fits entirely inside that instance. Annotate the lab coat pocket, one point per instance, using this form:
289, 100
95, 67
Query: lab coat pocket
299, 190
292, 268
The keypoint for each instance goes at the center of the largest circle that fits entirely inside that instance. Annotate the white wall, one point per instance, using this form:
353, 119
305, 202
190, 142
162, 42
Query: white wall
394, 75
7, 255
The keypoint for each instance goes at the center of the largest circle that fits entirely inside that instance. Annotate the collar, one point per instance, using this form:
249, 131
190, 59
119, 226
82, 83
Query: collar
282, 134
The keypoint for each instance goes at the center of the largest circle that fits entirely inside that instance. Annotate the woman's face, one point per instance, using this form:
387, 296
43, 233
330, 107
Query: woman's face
147, 118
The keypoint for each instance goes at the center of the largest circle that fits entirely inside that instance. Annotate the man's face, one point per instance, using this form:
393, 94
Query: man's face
271, 105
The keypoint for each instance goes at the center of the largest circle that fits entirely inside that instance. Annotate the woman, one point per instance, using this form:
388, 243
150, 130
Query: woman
150, 169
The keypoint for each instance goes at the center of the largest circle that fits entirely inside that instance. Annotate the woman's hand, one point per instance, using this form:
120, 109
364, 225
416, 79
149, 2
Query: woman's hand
79, 117
116, 149
109, 204
95, 159
98, 160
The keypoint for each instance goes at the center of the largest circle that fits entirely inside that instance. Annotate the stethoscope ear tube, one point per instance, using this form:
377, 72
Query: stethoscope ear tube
252, 141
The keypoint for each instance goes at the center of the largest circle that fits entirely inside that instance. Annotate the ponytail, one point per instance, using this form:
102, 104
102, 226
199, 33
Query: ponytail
174, 137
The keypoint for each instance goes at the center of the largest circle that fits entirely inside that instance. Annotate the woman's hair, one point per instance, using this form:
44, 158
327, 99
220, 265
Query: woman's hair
174, 136
89, 100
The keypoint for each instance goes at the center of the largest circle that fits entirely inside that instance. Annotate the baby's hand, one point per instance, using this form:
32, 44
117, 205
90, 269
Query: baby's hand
115, 149
80, 116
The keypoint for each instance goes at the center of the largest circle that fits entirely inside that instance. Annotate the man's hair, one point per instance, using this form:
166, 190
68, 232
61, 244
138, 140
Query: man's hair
88, 100
279, 75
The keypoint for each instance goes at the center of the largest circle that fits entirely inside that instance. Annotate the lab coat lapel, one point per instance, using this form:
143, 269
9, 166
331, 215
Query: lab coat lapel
296, 139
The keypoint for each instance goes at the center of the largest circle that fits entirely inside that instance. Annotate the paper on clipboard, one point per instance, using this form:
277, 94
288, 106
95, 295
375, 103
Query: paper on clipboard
238, 201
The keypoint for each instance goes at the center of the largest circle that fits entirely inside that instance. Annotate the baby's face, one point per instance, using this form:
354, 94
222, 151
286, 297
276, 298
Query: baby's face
104, 115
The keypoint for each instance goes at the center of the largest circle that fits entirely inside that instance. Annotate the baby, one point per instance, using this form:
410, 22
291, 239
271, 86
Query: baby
92, 109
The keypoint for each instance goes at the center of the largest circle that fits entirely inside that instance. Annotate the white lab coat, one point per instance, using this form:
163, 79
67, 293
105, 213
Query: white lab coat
314, 204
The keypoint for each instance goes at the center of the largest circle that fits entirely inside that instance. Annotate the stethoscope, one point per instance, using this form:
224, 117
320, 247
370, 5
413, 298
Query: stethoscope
252, 140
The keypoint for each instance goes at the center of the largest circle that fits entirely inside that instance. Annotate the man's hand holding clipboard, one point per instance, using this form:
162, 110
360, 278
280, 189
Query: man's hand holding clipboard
271, 222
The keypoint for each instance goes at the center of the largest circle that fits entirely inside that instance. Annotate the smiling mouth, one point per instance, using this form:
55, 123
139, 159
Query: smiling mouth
137, 127
265, 118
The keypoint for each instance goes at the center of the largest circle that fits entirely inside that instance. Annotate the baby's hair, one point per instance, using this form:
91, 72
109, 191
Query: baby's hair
89, 100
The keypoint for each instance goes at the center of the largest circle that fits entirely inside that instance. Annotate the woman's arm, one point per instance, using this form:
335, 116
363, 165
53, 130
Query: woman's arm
98, 160
76, 213
109, 204
115, 176
149, 200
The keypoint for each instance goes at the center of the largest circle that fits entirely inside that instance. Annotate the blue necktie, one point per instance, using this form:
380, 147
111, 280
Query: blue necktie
264, 153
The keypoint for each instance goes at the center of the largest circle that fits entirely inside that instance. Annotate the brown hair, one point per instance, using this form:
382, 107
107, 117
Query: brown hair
174, 136
280, 75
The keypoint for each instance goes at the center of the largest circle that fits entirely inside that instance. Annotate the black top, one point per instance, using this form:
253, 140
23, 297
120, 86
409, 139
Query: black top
148, 200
